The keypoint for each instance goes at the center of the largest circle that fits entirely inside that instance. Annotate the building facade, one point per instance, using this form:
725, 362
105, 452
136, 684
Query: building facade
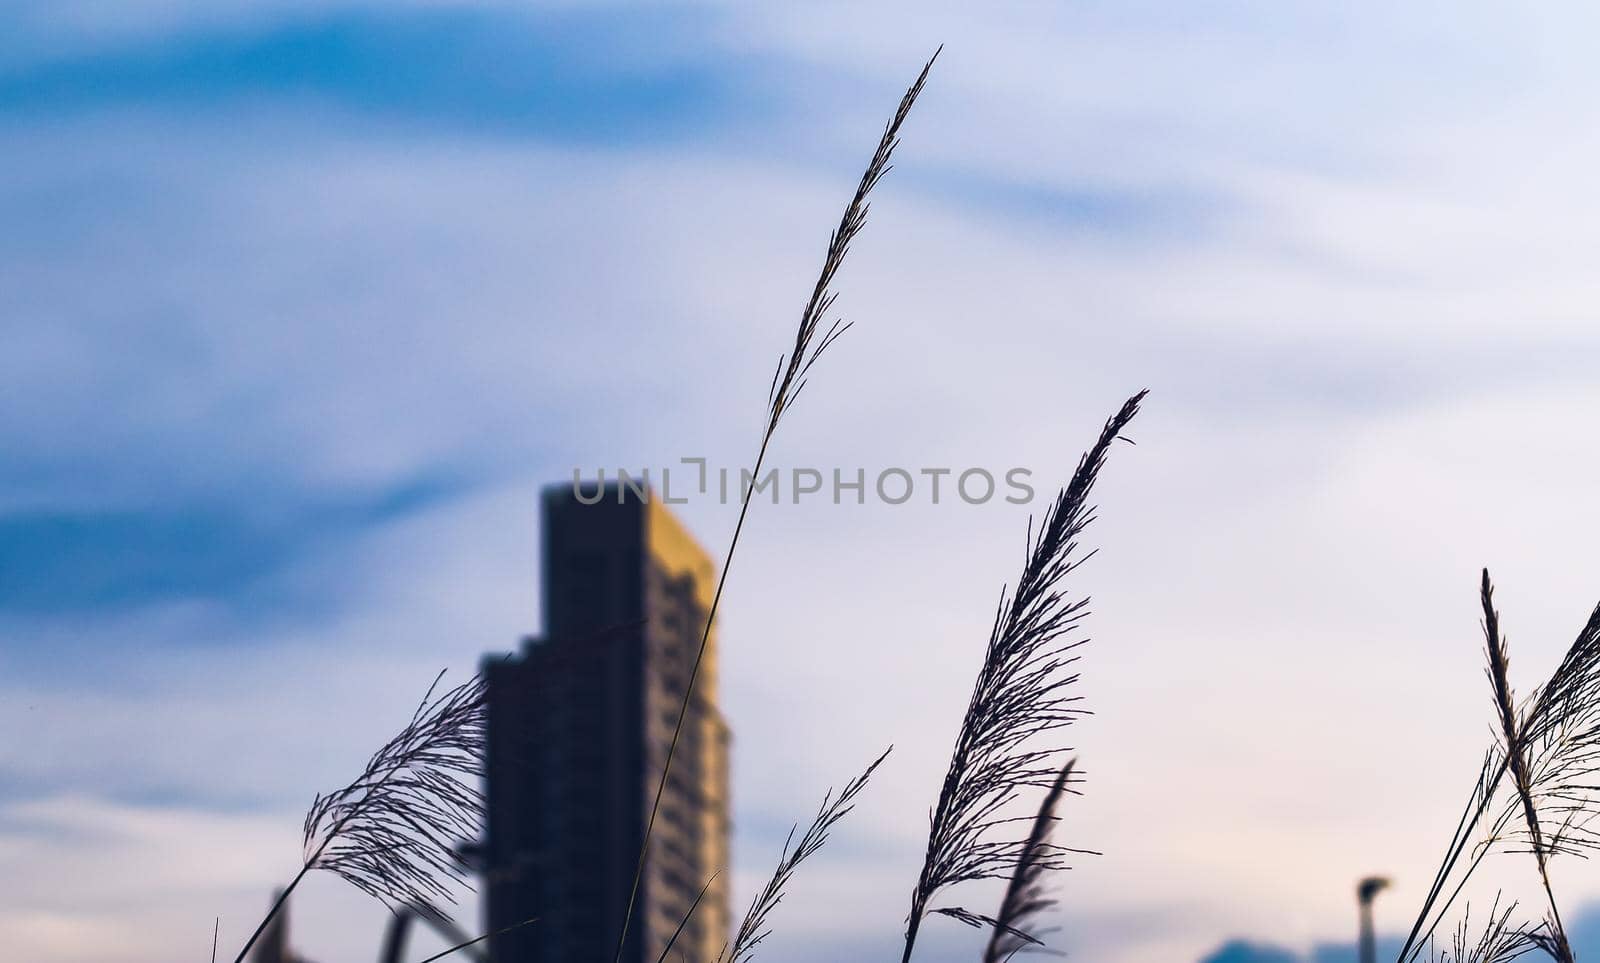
580, 721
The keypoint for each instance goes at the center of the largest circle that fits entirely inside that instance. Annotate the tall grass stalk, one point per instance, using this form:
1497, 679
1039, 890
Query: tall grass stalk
1514, 746
788, 380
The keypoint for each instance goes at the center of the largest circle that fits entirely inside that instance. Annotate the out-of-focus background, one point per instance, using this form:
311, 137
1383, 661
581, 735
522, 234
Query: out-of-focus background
301, 303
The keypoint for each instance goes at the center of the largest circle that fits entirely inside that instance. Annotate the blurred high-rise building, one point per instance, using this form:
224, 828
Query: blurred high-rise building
579, 726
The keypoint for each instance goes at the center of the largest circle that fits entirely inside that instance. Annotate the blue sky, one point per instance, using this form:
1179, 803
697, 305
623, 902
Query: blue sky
302, 302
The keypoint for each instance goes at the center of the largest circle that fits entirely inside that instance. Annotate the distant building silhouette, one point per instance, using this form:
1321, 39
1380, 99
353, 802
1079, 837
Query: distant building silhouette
579, 725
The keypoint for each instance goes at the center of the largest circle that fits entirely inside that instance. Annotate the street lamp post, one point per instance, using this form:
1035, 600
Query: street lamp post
1366, 891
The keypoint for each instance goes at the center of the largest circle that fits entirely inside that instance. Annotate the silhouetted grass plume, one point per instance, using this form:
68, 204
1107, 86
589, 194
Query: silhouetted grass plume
1550, 747
1026, 897
753, 928
1500, 940
1020, 694
392, 832
1514, 747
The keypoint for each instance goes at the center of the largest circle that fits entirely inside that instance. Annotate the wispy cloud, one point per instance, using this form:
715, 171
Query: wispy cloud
57, 562
567, 75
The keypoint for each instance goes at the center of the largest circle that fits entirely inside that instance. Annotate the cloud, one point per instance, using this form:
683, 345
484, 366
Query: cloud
559, 74
102, 880
82, 562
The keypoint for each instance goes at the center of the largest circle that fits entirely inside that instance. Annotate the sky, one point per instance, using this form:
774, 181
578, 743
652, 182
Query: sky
303, 302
